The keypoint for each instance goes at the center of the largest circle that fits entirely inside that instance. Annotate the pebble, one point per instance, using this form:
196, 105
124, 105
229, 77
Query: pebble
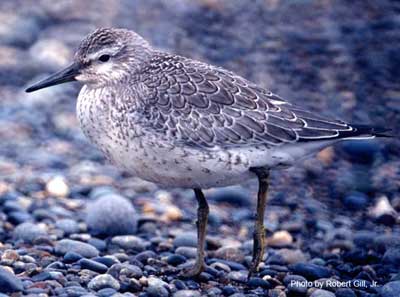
280, 238
356, 201
103, 281
230, 254
187, 252
50, 52
145, 255
68, 245
129, 242
128, 270
28, 232
345, 292
234, 195
186, 293
256, 282
310, 271
383, 212
107, 260
71, 257
392, 256
19, 30
157, 287
9, 283
238, 276
188, 239
293, 283
57, 186
111, 214
68, 226
93, 265
322, 293
390, 289
176, 260
292, 256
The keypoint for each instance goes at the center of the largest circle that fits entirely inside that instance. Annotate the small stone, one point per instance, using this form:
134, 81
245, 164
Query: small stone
383, 212
93, 265
107, 260
176, 260
9, 257
186, 293
57, 186
103, 281
186, 239
296, 284
129, 242
111, 214
256, 282
229, 290
68, 245
218, 266
188, 252
356, 201
68, 226
390, 289
214, 292
107, 292
234, 195
345, 292
310, 271
232, 265
157, 287
9, 283
230, 254
322, 293
28, 232
172, 213
127, 270
280, 238
18, 30
392, 257
292, 256
238, 276
50, 52
144, 256
19, 217
72, 257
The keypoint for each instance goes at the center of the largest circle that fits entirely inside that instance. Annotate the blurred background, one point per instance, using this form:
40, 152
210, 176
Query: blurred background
340, 58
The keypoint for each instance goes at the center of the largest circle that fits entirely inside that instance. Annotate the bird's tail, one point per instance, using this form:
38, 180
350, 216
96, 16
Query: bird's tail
361, 131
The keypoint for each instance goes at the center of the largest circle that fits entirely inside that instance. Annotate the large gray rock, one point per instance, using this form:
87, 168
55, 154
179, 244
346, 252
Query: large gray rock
111, 214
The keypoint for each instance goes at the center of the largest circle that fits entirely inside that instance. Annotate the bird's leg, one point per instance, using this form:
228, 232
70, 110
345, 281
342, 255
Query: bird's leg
259, 232
202, 216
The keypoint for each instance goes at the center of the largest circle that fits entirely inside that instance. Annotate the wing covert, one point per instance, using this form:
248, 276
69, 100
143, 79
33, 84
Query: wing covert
200, 105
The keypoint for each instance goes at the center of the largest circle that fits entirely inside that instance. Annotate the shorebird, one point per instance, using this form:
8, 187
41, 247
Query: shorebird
183, 123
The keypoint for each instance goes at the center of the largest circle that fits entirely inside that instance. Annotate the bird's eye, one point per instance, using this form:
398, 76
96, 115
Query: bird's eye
104, 58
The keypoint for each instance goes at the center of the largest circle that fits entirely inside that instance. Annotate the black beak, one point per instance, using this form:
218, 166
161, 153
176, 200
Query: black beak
66, 75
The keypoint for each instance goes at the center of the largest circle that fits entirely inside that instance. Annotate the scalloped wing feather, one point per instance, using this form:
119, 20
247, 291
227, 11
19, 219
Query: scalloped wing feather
201, 105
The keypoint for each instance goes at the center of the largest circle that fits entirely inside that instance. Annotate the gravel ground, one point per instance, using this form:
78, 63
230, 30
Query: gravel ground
73, 225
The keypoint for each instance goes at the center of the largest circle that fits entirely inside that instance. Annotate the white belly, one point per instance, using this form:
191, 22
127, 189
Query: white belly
173, 166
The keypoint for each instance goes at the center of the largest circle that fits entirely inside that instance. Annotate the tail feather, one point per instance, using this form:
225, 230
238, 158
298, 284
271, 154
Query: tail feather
365, 131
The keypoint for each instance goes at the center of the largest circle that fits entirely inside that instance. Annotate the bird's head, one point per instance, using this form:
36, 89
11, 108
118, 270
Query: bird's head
106, 56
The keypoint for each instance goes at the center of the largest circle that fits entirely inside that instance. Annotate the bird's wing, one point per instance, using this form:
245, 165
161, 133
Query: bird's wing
200, 105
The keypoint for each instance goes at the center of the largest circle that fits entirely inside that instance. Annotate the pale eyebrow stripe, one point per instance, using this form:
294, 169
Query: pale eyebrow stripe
109, 51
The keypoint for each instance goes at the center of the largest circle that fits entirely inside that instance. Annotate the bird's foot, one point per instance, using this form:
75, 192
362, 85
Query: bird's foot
252, 270
193, 271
